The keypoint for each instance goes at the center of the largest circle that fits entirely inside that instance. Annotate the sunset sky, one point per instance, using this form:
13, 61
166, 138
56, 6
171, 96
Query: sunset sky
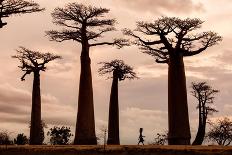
143, 102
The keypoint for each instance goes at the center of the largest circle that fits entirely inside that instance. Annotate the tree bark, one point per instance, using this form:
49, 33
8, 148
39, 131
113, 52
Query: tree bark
200, 135
35, 127
201, 128
178, 118
113, 122
85, 125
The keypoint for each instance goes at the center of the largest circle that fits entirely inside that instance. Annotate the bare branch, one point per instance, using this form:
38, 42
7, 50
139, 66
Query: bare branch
130, 33
93, 35
64, 35
117, 42
207, 39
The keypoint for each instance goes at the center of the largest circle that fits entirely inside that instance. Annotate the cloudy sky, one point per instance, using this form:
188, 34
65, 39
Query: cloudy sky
143, 102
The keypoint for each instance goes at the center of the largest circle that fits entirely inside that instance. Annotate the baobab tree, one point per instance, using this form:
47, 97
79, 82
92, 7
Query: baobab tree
120, 71
205, 96
85, 25
14, 7
34, 62
168, 40
221, 131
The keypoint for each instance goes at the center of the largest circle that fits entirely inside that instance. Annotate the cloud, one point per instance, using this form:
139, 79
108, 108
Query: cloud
158, 6
153, 121
15, 107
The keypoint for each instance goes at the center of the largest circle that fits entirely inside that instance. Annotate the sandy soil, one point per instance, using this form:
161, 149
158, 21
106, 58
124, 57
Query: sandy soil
115, 150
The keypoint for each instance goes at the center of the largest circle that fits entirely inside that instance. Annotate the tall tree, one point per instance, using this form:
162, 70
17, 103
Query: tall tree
14, 7
120, 71
85, 25
221, 131
204, 93
169, 39
34, 62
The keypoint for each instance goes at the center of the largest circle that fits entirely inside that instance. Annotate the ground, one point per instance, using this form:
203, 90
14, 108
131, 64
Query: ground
115, 150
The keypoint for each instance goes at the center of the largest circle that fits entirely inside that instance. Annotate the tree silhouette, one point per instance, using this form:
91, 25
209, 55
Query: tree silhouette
34, 62
121, 71
60, 135
21, 139
205, 96
221, 132
161, 139
5, 138
84, 24
169, 39
13, 7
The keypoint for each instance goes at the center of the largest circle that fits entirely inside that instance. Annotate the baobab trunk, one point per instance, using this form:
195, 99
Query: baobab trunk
200, 135
200, 132
85, 126
113, 124
35, 127
178, 118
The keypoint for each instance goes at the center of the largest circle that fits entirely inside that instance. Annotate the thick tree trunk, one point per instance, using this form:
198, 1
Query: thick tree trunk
85, 125
178, 118
35, 127
201, 129
200, 135
113, 122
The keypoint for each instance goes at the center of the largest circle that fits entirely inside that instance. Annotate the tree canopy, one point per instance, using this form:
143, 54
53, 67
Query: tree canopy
204, 93
32, 61
122, 70
83, 24
171, 35
14, 7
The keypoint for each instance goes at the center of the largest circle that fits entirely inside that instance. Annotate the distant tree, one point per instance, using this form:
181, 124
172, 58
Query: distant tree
34, 62
120, 71
85, 25
169, 40
42, 127
14, 7
5, 138
102, 135
21, 139
60, 135
221, 132
161, 139
204, 93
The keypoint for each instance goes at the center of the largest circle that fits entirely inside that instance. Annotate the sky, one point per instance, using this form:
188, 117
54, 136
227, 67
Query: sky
143, 102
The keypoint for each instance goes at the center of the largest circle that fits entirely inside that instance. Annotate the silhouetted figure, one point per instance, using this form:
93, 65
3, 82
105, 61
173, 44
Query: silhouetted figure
85, 25
141, 137
170, 40
34, 62
120, 71
13, 7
